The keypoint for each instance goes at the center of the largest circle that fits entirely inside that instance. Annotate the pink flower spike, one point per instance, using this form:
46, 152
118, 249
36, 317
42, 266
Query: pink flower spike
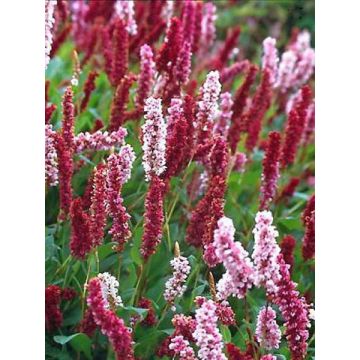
239, 276
146, 77
175, 286
206, 334
99, 140
223, 123
266, 251
49, 23
286, 71
208, 30
154, 139
268, 357
125, 10
51, 158
182, 348
182, 68
270, 58
267, 333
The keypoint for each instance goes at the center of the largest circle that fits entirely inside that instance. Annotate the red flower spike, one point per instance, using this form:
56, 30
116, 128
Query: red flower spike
111, 325
225, 313
98, 125
228, 74
88, 325
289, 188
302, 107
169, 50
89, 87
308, 217
91, 42
259, 106
68, 119
100, 8
155, 33
197, 27
206, 213
188, 21
98, 205
230, 42
68, 294
49, 110
219, 158
287, 246
234, 353
53, 315
153, 217
295, 312
150, 319
120, 101
270, 172
240, 98
65, 162
80, 242
60, 39
292, 139
106, 47
62, 10
120, 52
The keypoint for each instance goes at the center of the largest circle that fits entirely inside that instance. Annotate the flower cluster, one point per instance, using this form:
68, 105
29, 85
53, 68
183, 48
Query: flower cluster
109, 288
308, 245
270, 172
98, 205
51, 157
81, 240
295, 312
153, 217
270, 58
49, 23
154, 139
267, 332
175, 286
208, 105
146, 77
287, 246
182, 348
208, 30
53, 315
239, 276
125, 10
266, 251
99, 140
111, 326
119, 170
150, 318
207, 334
223, 122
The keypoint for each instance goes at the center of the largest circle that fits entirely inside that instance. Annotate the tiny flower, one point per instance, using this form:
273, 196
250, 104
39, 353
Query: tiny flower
267, 332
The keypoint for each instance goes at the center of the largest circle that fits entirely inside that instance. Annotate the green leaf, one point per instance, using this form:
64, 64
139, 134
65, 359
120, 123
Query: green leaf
80, 342
226, 333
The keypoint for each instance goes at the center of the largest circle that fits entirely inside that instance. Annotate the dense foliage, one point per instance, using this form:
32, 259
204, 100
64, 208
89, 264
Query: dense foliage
179, 160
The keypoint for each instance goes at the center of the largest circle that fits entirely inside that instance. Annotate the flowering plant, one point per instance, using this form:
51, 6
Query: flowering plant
179, 173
